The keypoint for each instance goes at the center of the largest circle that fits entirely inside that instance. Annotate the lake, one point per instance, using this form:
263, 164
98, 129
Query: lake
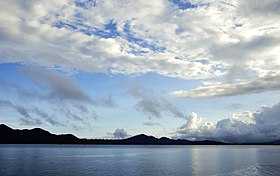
100, 160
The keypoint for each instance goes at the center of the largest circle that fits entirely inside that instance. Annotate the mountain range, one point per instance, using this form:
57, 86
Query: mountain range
40, 136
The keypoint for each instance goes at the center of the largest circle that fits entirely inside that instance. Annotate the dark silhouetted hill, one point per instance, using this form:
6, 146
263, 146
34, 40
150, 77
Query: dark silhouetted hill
273, 143
33, 136
40, 136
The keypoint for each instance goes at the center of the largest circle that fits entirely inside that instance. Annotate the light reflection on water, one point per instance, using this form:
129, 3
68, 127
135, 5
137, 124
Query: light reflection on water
138, 160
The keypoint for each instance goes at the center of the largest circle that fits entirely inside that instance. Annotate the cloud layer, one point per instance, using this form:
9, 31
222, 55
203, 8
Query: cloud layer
260, 85
260, 126
197, 39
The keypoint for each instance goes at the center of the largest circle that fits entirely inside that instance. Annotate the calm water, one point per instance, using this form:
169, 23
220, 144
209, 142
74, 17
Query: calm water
68, 160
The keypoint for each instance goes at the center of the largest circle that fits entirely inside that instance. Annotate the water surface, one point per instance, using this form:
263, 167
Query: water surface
100, 160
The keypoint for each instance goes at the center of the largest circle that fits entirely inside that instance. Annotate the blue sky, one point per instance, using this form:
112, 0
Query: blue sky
184, 69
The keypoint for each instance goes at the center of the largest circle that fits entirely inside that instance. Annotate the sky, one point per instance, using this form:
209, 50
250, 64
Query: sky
184, 69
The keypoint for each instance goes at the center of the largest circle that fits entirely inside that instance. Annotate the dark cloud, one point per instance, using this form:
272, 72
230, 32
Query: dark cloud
69, 114
31, 116
26, 118
261, 126
59, 94
49, 119
36, 116
81, 113
259, 9
259, 85
152, 105
59, 86
53, 86
151, 124
31, 122
238, 71
5, 103
22, 110
237, 53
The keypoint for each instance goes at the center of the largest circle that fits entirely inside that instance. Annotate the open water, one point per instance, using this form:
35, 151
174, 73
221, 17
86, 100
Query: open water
110, 160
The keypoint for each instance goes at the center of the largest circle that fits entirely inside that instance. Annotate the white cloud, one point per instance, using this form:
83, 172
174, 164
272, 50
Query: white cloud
210, 41
260, 126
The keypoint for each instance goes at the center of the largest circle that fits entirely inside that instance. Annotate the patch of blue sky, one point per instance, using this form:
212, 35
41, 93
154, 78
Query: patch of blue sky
203, 61
178, 58
79, 16
109, 30
61, 24
184, 4
104, 84
10, 73
238, 25
139, 41
220, 67
136, 51
101, 83
165, 83
85, 4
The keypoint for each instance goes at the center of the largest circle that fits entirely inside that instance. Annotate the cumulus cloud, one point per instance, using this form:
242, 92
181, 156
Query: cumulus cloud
153, 105
202, 39
111, 33
259, 85
120, 134
260, 126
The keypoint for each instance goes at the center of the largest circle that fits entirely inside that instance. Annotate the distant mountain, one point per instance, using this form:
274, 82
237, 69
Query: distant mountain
273, 143
141, 139
33, 136
40, 136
